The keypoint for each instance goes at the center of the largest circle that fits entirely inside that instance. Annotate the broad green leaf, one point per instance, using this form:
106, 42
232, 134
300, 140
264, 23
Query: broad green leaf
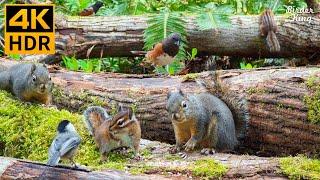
194, 53
248, 66
242, 65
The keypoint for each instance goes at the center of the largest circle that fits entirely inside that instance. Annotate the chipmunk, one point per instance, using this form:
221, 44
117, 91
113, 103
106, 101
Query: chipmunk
28, 81
109, 133
201, 120
268, 28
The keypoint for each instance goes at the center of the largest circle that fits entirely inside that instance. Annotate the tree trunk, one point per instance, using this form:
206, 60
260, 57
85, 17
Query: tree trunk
268, 104
118, 36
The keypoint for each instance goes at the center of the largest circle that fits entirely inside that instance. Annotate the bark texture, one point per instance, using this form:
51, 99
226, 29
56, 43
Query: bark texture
117, 36
268, 104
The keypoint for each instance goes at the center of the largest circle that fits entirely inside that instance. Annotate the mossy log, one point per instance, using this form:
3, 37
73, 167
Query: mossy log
268, 104
18, 169
118, 36
238, 167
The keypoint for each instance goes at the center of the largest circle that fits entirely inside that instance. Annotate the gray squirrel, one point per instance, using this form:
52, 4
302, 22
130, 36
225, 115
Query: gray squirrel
28, 81
201, 120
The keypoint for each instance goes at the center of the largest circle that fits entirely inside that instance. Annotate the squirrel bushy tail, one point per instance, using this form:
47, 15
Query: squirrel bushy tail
94, 116
236, 103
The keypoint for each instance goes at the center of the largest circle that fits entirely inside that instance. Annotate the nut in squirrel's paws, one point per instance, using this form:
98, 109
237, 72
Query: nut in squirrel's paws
190, 145
207, 151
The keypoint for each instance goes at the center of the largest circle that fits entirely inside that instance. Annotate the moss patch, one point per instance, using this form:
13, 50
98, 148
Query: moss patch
172, 157
141, 169
255, 90
300, 167
312, 101
190, 77
208, 168
26, 131
79, 101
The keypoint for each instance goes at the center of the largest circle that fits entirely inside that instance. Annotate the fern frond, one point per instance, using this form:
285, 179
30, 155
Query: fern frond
214, 17
163, 24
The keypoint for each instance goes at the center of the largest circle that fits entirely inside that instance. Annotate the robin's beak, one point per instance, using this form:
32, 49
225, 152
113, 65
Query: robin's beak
177, 43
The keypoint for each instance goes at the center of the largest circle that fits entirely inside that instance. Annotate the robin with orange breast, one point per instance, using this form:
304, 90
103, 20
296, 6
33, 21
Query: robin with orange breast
164, 52
92, 10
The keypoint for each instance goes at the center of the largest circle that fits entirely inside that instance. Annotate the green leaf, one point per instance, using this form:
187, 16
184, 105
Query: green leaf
73, 64
171, 70
15, 56
248, 66
194, 53
97, 66
214, 17
242, 65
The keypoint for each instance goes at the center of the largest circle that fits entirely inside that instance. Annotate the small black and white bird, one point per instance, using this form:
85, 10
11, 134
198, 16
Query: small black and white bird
65, 144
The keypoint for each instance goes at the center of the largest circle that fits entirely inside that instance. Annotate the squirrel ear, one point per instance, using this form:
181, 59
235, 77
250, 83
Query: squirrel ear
33, 68
130, 112
120, 107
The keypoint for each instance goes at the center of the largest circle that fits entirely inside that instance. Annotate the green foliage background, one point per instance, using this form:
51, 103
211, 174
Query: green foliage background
165, 17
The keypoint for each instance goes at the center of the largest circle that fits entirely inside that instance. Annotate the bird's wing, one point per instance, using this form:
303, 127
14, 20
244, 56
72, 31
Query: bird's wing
69, 144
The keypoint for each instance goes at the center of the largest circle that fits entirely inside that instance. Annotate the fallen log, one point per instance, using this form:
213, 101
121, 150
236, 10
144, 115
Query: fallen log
118, 36
268, 104
238, 167
20, 169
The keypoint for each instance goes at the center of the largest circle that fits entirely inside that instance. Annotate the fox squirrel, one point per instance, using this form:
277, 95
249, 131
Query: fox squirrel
201, 120
268, 27
28, 81
121, 130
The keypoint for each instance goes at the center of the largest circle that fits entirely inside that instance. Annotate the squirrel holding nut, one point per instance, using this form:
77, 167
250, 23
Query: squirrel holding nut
28, 81
268, 28
201, 121
121, 130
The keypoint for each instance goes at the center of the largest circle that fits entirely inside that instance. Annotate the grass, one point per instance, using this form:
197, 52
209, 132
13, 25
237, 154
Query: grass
300, 167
